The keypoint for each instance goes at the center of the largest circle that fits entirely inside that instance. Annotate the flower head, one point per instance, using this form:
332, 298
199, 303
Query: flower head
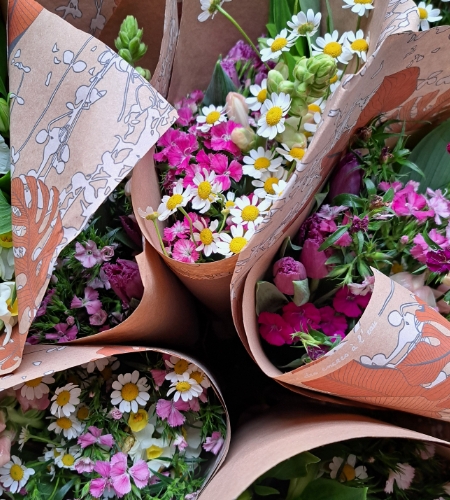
167, 410
268, 182
221, 137
185, 251
357, 44
170, 204
234, 244
349, 304
273, 113
8, 311
36, 388
285, 272
125, 280
302, 318
359, 7
89, 255
65, 400
427, 15
292, 154
274, 329
214, 443
90, 301
66, 458
212, 115
206, 237
130, 391
259, 93
259, 161
403, 477
276, 46
209, 8
70, 427
206, 190
14, 475
250, 211
186, 389
305, 24
94, 436
349, 472
333, 46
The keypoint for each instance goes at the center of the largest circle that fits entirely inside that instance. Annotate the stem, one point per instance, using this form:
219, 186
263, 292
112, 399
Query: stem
357, 63
296, 7
343, 72
42, 440
330, 16
159, 238
183, 211
55, 489
223, 224
358, 24
291, 170
309, 44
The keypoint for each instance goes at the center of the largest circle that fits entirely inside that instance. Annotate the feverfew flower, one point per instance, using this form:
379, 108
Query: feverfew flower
209, 8
8, 311
260, 161
186, 388
403, 478
14, 475
427, 15
359, 7
273, 113
170, 204
69, 426
130, 391
305, 24
265, 186
234, 244
65, 400
206, 236
35, 389
292, 154
312, 127
333, 46
248, 211
348, 472
276, 46
101, 363
357, 44
278, 190
259, 93
66, 459
206, 191
200, 377
212, 115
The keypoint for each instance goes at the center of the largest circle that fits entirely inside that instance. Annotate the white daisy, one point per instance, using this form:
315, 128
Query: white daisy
70, 427
333, 46
130, 391
357, 44
317, 106
158, 449
312, 126
273, 113
335, 81
35, 389
348, 472
101, 364
259, 162
8, 312
148, 213
209, 8
260, 95
212, 115
206, 191
292, 154
186, 388
66, 458
65, 400
170, 204
268, 179
359, 7
206, 236
24, 436
248, 211
179, 367
305, 24
427, 15
234, 244
200, 377
51, 452
14, 475
276, 46
279, 189
230, 202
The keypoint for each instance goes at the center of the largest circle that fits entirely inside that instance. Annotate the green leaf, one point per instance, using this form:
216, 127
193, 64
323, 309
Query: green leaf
291, 64
64, 490
219, 87
281, 13
363, 268
370, 186
5, 215
348, 200
3, 59
272, 30
325, 489
360, 238
301, 292
5, 182
268, 298
288, 249
265, 491
294, 364
389, 195
293, 467
331, 240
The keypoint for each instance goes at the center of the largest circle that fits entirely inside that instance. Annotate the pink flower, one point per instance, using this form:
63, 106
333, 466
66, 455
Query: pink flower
5, 449
100, 281
221, 138
180, 153
362, 288
438, 261
166, 411
330, 322
345, 240
90, 301
140, 473
274, 329
385, 186
185, 117
180, 442
236, 108
103, 484
191, 171
285, 272
349, 304
313, 260
119, 478
84, 464
45, 302
184, 251
302, 318
166, 141
219, 163
115, 414
98, 318
214, 443
88, 255
33, 404
107, 253
159, 376
125, 280
403, 478
421, 248
178, 230
94, 436
404, 240
408, 202
63, 333
439, 204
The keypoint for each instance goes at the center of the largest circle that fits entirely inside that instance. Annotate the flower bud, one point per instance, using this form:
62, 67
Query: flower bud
364, 133
285, 272
299, 107
347, 177
283, 68
313, 75
274, 78
237, 109
145, 73
287, 87
4, 116
313, 260
244, 138
291, 136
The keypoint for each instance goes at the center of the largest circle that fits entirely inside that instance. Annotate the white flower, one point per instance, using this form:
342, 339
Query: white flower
206, 236
130, 391
71, 427
51, 452
66, 458
229, 204
14, 475
5, 157
141, 441
186, 388
170, 204
248, 211
179, 367
279, 189
212, 115
24, 436
305, 24
148, 213
427, 15
200, 377
193, 436
6, 262
332, 46
311, 128
234, 244
259, 162
335, 81
357, 44
359, 7
276, 46
156, 450
8, 311
273, 113
35, 389
260, 95
209, 8
206, 192
403, 477
65, 400
100, 364
292, 154
348, 472
82, 412
268, 180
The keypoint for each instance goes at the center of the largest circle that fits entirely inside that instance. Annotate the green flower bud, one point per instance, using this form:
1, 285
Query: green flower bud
133, 47
299, 107
274, 78
244, 138
4, 116
145, 73
313, 76
283, 68
291, 136
125, 54
129, 42
286, 87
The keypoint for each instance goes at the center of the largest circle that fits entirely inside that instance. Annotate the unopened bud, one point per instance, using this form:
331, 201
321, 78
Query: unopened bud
237, 109
244, 138
274, 78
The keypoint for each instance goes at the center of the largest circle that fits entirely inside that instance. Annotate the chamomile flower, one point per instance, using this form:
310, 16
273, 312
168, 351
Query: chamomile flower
70, 427
200, 377
209, 8
206, 236
268, 179
349, 472
186, 388
66, 458
206, 191
359, 7
212, 115
130, 391
335, 82
292, 154
273, 113
229, 203
278, 189
260, 161
305, 24
259, 93
101, 364
333, 46
35, 389
179, 367
65, 400
276, 46
317, 106
170, 204
250, 211
312, 126
357, 44
14, 476
24, 436
148, 213
427, 15
82, 412
51, 452
234, 244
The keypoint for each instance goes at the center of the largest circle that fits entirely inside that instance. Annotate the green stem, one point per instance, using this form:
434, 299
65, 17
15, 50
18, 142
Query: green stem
223, 224
183, 211
309, 44
42, 440
55, 489
343, 72
330, 16
357, 63
291, 170
296, 7
358, 24
159, 237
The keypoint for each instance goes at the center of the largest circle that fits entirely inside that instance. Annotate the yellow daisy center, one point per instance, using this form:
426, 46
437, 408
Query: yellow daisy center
333, 49
237, 244
197, 376
16, 472
297, 153
183, 386
83, 413
68, 460
154, 452
6, 240
206, 236
204, 190
423, 13
278, 44
261, 163
334, 79
229, 204
212, 117
107, 373
138, 421
174, 201
129, 392
307, 134
348, 473
13, 308
180, 366
360, 45
64, 422
314, 108
268, 185
34, 383
364, 2
250, 213
396, 268
262, 95
274, 116
63, 398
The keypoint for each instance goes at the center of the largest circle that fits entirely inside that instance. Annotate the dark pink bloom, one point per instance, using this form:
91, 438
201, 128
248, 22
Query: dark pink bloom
185, 251
316, 352
219, 163
448, 148
221, 138
302, 318
285, 271
63, 333
229, 67
348, 304
439, 204
438, 261
181, 405
408, 202
90, 301
313, 260
45, 302
345, 240
191, 170
330, 322
125, 280
180, 443
214, 443
197, 95
421, 248
84, 464
359, 224
88, 255
166, 411
167, 140
185, 116
178, 230
194, 405
140, 473
274, 329
94, 436
180, 153
347, 177
159, 376
385, 186
98, 318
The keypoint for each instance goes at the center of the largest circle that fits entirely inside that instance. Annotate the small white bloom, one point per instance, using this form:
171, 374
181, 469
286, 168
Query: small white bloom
66, 458
170, 204
8, 311
70, 427
130, 391
348, 471
212, 115
333, 46
273, 113
234, 244
428, 15
51, 452
206, 236
278, 189
200, 377
206, 191
267, 182
101, 363
312, 127
292, 154
335, 81
179, 367
259, 93
276, 46
248, 211
148, 213
14, 475
357, 44
209, 8
260, 161
359, 7
186, 388
305, 24
403, 477
35, 389
65, 400
24, 436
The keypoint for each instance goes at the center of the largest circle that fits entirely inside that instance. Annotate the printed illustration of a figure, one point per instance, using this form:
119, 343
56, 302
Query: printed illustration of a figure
71, 9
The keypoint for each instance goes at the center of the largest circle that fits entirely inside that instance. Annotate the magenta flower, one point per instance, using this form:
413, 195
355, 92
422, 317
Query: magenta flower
84, 465
349, 304
90, 301
285, 271
100, 281
99, 318
166, 141
178, 230
408, 202
359, 224
185, 251
347, 177
140, 473
191, 171
421, 248
274, 329
197, 96
159, 376
166, 410
439, 204
63, 333
302, 318
88, 255
94, 436
45, 302
115, 414
438, 261
181, 152
185, 116
225, 172
221, 138
345, 240
125, 280
316, 352
214, 443
330, 322
313, 260
103, 484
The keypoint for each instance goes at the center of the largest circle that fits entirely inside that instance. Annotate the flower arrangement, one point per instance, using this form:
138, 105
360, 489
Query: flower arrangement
138, 426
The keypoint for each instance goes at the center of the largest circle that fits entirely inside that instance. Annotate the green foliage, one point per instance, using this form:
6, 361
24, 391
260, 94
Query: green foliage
268, 297
219, 87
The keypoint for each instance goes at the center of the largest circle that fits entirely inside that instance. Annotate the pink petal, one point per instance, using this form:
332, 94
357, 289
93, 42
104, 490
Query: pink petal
106, 440
95, 431
118, 464
76, 303
140, 473
103, 468
86, 440
97, 487
121, 485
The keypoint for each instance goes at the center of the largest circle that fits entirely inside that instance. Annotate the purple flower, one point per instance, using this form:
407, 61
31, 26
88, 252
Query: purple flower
88, 255
214, 443
349, 304
166, 410
330, 322
131, 227
285, 271
274, 329
125, 280
101, 281
347, 177
439, 204
46, 301
63, 333
229, 67
438, 261
359, 224
408, 202
313, 260
94, 436
316, 352
241, 51
301, 318
107, 253
98, 318
90, 301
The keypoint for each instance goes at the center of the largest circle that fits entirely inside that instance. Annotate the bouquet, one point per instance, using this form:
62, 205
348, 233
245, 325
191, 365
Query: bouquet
142, 424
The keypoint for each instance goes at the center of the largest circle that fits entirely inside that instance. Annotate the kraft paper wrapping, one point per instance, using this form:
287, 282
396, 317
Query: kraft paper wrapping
41, 360
81, 118
267, 441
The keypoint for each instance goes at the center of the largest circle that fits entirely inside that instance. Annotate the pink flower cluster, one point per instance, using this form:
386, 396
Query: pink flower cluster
94, 436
